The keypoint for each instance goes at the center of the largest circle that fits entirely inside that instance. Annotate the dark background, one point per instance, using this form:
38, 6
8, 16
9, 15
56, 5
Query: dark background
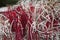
7, 2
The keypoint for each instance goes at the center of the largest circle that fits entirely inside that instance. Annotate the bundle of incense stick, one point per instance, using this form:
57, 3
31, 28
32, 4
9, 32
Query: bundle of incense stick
34, 20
